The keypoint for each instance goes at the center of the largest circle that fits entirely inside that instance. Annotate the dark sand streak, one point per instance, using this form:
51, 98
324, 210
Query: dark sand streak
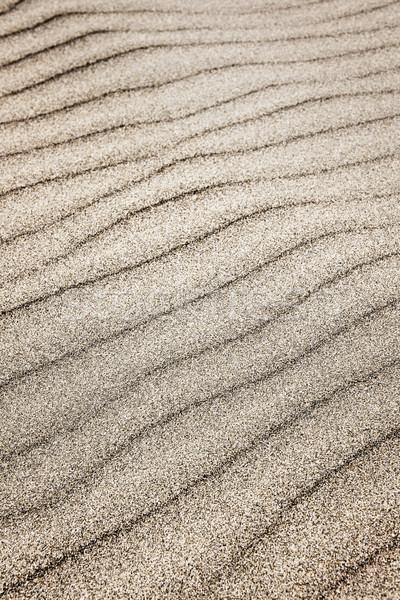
94, 473
275, 9
393, 434
141, 324
153, 86
206, 155
135, 124
310, 36
90, 280
151, 47
307, 492
352, 571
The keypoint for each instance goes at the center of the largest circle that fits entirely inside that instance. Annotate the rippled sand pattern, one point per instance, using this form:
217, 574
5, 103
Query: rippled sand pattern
200, 299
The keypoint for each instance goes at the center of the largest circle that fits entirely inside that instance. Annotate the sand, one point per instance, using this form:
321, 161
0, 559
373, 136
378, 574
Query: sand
200, 299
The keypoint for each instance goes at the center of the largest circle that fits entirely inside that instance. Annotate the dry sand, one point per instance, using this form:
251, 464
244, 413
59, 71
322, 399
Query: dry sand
200, 299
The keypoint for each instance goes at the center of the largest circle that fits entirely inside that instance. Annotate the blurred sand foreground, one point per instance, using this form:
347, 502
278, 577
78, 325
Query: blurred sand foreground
200, 299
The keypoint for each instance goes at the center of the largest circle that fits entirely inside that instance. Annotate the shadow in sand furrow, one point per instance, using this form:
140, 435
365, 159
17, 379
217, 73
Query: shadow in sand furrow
208, 401
12, 7
204, 155
355, 570
275, 9
144, 153
185, 358
230, 285
73, 247
193, 189
320, 589
128, 125
175, 249
75, 553
83, 68
71, 41
93, 474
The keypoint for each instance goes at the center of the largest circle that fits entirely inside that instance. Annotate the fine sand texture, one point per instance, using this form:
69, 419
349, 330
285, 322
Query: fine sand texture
200, 299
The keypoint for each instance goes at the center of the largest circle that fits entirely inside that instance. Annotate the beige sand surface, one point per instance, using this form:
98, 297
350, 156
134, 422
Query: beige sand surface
200, 299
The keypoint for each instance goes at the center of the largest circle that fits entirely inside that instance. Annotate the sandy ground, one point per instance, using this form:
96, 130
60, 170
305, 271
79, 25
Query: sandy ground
200, 299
